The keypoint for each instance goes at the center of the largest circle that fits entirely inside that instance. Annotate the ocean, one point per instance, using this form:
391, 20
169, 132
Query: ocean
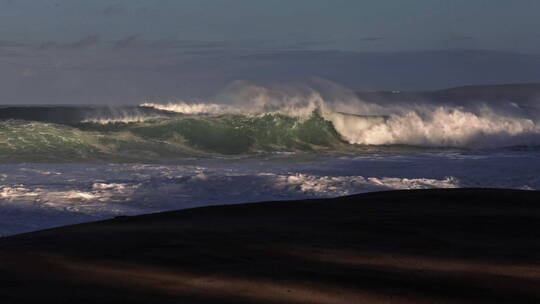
70, 164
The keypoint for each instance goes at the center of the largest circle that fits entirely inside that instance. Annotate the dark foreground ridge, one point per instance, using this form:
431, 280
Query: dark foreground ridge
425, 246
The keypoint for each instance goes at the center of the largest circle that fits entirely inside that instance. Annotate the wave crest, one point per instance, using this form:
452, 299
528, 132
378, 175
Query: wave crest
192, 109
361, 123
441, 127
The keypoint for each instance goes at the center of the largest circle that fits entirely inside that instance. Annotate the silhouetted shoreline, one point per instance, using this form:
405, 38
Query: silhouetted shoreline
411, 246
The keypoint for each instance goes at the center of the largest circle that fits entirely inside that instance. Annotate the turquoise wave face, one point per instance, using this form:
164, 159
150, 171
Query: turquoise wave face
166, 138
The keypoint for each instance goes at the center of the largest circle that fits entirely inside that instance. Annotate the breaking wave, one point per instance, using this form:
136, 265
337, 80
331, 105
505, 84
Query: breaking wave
161, 139
357, 122
442, 127
254, 120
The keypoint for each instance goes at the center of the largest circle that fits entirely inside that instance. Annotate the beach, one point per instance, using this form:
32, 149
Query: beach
410, 246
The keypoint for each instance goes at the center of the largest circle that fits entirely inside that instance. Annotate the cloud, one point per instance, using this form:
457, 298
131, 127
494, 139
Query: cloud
11, 43
84, 42
304, 45
11, 48
136, 40
114, 9
129, 41
189, 44
217, 45
4, 54
132, 69
462, 37
371, 38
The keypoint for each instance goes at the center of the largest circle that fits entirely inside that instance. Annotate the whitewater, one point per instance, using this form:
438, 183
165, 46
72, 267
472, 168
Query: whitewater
70, 164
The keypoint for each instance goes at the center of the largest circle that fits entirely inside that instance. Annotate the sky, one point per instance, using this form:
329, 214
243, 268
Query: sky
125, 51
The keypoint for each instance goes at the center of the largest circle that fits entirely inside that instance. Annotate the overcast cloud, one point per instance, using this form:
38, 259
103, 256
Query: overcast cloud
123, 51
